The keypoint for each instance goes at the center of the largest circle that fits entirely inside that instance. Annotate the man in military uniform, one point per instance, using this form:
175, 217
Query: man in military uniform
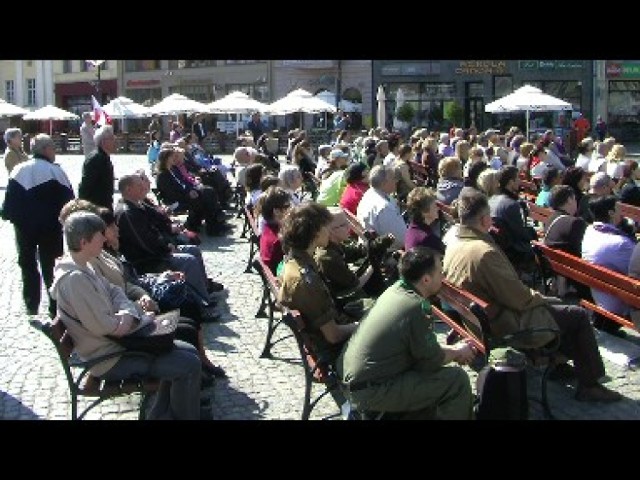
305, 228
394, 363
343, 282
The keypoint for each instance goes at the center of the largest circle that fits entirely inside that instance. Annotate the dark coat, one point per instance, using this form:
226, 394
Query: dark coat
97, 181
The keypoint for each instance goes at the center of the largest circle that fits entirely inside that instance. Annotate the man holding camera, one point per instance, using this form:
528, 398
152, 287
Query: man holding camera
344, 284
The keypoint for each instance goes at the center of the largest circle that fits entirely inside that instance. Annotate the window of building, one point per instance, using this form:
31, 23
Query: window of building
502, 85
145, 96
241, 62
103, 65
199, 93
9, 91
180, 64
624, 109
84, 66
31, 91
66, 66
141, 65
427, 99
257, 91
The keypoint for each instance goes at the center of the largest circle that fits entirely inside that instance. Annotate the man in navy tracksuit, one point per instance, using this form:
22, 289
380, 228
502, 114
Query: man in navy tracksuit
36, 192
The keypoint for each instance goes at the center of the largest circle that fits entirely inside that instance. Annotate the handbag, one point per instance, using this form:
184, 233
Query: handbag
168, 293
502, 390
152, 336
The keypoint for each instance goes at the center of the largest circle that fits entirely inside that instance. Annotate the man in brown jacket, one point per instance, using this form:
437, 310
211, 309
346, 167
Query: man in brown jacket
476, 264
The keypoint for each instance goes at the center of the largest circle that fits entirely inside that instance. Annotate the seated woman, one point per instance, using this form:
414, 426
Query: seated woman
333, 179
304, 228
200, 200
112, 266
252, 184
423, 212
403, 174
450, 182
291, 181
357, 176
91, 308
272, 205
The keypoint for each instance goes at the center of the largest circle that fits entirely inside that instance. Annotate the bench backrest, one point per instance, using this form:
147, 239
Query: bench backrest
252, 221
538, 213
630, 211
621, 286
355, 224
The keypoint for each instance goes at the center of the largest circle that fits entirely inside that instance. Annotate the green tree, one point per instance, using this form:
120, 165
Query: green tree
454, 113
405, 113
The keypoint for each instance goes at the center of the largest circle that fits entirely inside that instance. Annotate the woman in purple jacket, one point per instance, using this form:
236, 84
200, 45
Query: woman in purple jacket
423, 212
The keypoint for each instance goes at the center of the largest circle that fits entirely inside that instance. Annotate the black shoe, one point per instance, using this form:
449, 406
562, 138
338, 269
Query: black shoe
207, 380
562, 372
213, 286
214, 371
453, 337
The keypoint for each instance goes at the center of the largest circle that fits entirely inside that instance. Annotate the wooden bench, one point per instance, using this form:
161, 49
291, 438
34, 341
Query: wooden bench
630, 211
84, 384
617, 284
477, 315
356, 226
316, 369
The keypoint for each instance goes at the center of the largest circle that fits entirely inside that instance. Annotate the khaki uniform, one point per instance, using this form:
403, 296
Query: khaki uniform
13, 157
343, 283
304, 290
393, 362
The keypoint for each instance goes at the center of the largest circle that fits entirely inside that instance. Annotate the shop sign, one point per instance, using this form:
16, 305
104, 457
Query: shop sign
482, 67
142, 83
307, 63
551, 64
623, 69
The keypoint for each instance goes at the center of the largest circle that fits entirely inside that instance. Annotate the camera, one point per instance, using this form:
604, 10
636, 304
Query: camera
377, 246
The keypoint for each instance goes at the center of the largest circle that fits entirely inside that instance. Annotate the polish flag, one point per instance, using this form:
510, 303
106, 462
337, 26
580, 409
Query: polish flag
100, 117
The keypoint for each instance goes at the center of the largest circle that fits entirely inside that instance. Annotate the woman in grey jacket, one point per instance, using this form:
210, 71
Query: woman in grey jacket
91, 308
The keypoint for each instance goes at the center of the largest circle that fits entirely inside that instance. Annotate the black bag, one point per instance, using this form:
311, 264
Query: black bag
502, 392
155, 337
169, 294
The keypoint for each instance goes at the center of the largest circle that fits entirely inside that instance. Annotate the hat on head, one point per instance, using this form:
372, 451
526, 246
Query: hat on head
337, 153
599, 180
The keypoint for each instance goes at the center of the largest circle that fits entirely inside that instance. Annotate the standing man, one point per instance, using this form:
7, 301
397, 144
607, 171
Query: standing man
155, 124
582, 127
255, 126
601, 128
394, 363
198, 129
97, 180
36, 192
87, 131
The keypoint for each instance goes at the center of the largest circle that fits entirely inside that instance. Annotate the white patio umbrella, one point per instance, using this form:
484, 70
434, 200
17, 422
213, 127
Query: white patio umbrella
381, 115
50, 113
344, 105
237, 103
8, 109
527, 99
175, 104
123, 107
299, 101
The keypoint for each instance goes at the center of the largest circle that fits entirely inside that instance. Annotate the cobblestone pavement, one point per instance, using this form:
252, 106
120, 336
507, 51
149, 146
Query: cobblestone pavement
32, 383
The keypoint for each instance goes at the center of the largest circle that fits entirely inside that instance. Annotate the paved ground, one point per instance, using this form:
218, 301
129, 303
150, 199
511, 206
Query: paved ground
32, 383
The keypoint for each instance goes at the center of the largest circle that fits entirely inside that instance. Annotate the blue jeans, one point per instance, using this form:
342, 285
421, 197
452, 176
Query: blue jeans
179, 371
188, 259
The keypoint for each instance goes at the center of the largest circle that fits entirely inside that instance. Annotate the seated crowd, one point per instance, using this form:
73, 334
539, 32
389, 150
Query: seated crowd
365, 296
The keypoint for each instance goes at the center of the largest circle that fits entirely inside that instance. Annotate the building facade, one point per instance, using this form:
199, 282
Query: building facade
618, 97
351, 78
446, 92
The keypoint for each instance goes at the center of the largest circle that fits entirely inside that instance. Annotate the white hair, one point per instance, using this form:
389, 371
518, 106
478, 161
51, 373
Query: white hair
101, 133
